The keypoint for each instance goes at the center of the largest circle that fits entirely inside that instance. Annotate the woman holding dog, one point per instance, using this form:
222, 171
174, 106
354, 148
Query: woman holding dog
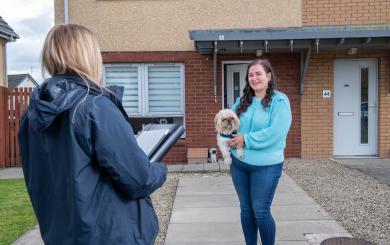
265, 119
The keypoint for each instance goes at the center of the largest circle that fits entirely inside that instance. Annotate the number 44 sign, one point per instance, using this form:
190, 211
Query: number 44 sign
326, 93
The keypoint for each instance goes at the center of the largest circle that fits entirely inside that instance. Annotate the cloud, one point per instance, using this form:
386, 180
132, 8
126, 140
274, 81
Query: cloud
31, 20
17, 10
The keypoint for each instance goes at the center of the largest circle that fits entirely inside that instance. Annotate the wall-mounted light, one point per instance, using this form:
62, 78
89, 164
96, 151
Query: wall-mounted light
352, 51
259, 52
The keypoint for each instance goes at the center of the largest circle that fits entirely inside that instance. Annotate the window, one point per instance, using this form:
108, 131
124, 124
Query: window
364, 105
152, 92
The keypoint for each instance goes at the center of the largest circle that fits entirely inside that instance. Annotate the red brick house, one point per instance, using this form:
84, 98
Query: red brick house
182, 61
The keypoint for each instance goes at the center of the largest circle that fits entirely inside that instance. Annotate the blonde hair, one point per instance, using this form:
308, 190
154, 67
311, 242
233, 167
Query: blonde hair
72, 48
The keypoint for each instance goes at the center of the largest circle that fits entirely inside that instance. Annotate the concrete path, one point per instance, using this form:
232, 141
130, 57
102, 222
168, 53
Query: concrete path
11, 173
206, 211
31, 237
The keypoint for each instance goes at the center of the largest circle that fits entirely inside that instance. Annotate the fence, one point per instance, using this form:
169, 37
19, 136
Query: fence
13, 102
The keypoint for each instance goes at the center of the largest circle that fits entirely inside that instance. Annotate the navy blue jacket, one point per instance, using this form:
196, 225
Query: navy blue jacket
88, 181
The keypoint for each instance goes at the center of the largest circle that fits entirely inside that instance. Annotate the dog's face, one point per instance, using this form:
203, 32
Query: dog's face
226, 121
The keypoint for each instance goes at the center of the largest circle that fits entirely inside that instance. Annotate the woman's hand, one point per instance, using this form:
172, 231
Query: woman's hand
237, 141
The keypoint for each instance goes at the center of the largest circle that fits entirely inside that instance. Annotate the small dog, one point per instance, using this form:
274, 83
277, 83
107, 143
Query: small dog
212, 156
226, 123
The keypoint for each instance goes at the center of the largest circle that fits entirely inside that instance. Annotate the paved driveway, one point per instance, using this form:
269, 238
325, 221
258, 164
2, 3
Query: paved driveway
377, 168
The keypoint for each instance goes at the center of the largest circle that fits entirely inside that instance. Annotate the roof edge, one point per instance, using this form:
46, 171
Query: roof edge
307, 32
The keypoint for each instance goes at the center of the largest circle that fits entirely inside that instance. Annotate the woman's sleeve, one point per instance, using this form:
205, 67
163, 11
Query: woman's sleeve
116, 150
280, 124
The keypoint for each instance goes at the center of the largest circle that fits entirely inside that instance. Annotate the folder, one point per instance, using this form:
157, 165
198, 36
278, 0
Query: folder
157, 139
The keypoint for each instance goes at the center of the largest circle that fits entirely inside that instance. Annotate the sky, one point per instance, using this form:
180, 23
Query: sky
31, 20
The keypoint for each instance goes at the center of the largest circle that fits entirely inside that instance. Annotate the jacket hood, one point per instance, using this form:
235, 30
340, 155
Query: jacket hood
59, 94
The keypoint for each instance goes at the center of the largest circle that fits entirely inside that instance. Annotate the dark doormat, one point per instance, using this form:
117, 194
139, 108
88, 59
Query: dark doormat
345, 241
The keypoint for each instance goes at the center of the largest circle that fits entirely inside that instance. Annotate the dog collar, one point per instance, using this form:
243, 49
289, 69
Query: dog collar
229, 136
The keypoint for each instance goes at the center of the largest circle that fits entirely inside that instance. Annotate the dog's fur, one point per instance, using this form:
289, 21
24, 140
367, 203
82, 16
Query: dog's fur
226, 122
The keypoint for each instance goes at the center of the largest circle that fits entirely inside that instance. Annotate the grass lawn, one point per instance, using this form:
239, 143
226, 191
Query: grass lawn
16, 213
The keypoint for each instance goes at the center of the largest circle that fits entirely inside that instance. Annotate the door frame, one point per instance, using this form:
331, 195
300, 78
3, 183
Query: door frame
376, 125
223, 64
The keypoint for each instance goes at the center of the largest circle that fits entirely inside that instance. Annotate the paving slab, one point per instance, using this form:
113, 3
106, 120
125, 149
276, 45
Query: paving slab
291, 198
192, 168
205, 188
204, 233
203, 201
299, 212
205, 181
224, 167
172, 168
205, 215
211, 167
296, 230
11, 173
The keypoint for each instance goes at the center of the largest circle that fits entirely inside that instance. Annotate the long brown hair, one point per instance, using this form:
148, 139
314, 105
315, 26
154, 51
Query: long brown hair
246, 99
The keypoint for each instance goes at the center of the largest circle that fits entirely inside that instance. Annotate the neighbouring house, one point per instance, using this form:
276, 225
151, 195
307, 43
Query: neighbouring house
6, 35
21, 80
182, 61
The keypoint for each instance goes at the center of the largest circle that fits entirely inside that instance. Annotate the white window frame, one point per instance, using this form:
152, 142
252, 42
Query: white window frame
143, 95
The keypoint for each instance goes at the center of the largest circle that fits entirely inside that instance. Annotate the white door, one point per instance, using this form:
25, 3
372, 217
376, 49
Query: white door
235, 82
355, 107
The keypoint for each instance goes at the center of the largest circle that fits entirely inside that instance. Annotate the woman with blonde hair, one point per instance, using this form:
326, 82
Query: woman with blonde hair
88, 181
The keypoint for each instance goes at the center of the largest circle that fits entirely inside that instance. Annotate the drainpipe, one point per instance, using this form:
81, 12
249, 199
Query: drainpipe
388, 74
215, 71
304, 65
66, 17
5, 64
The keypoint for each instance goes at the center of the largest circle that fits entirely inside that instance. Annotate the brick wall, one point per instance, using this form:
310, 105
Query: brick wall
200, 107
317, 112
345, 12
384, 106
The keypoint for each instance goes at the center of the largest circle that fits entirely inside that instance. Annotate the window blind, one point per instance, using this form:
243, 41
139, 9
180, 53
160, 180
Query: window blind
165, 89
127, 76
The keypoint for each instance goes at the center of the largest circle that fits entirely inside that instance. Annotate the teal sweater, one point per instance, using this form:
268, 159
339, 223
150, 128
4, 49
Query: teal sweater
265, 130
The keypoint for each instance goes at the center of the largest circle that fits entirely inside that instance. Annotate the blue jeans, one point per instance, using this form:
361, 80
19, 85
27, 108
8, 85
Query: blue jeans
255, 186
